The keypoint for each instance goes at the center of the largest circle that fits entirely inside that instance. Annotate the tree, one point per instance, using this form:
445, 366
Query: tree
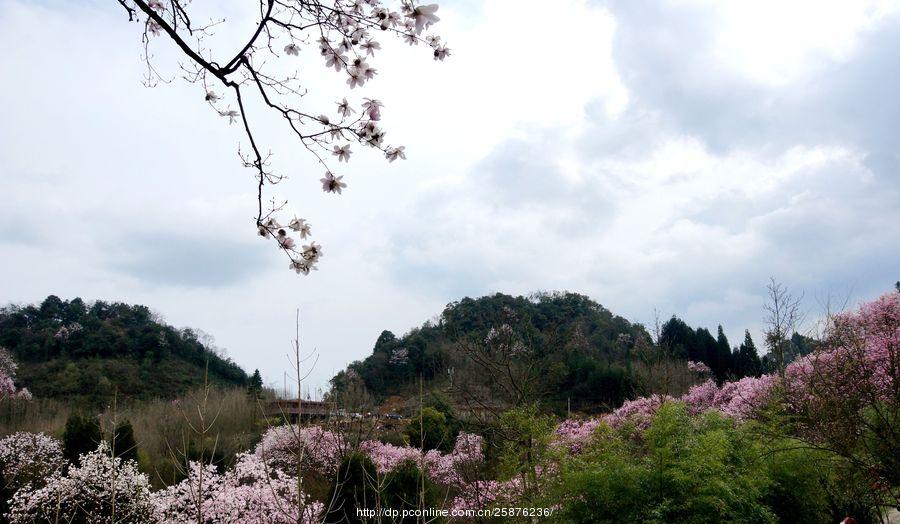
354, 486
343, 33
429, 430
82, 435
783, 316
124, 445
722, 363
747, 363
255, 385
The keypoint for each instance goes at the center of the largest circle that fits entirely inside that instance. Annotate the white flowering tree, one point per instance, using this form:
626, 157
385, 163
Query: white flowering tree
344, 33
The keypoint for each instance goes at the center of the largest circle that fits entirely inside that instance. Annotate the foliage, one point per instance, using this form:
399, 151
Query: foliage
429, 430
682, 470
123, 443
82, 435
88, 351
255, 384
407, 488
587, 347
354, 486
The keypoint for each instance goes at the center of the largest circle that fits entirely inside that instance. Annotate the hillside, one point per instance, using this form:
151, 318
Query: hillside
87, 351
553, 347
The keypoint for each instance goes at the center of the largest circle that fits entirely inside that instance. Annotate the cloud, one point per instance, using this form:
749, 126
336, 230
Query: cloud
668, 155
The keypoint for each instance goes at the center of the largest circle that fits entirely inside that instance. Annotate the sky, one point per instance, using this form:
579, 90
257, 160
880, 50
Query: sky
668, 156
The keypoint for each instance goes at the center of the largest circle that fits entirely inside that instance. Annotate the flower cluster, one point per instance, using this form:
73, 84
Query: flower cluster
446, 469
87, 493
286, 447
29, 459
344, 34
8, 369
252, 492
699, 368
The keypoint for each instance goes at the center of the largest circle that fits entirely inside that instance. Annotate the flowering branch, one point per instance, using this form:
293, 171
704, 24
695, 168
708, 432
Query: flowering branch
343, 31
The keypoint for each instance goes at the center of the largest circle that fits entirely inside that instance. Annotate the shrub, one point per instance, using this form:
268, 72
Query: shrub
82, 435
429, 430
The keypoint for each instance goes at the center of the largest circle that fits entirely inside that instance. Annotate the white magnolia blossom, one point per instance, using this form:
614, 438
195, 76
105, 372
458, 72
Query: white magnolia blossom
300, 226
371, 46
332, 184
395, 152
344, 108
211, 96
373, 108
423, 16
231, 114
312, 252
292, 49
343, 153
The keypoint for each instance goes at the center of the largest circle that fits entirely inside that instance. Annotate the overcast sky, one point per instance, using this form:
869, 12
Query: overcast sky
652, 155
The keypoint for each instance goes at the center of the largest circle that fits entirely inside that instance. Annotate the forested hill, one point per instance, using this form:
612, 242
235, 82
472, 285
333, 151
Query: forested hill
573, 345
90, 350
558, 348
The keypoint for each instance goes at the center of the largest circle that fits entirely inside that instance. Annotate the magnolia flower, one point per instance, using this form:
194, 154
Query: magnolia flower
335, 60
153, 27
372, 107
371, 46
344, 108
312, 253
356, 78
301, 266
410, 39
394, 153
156, 5
423, 16
262, 231
332, 184
343, 153
432, 40
323, 119
441, 52
211, 96
231, 114
292, 49
299, 225
283, 239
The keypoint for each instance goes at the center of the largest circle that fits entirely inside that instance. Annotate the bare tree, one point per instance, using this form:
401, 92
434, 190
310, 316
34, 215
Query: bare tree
343, 32
783, 317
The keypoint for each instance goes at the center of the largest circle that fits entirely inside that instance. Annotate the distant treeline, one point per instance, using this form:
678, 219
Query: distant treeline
89, 350
580, 351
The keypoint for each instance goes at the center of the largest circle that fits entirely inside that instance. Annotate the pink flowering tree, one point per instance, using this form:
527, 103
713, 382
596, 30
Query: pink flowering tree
8, 369
344, 33
252, 492
845, 397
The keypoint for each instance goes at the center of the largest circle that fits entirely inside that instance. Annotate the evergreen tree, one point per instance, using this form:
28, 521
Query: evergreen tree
255, 385
124, 445
680, 339
353, 488
748, 363
82, 435
723, 364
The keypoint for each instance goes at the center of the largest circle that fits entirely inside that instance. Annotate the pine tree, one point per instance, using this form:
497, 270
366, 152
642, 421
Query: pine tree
82, 435
748, 363
723, 364
124, 445
255, 386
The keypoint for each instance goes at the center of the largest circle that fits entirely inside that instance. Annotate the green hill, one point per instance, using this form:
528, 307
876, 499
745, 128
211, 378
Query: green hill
88, 351
557, 348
